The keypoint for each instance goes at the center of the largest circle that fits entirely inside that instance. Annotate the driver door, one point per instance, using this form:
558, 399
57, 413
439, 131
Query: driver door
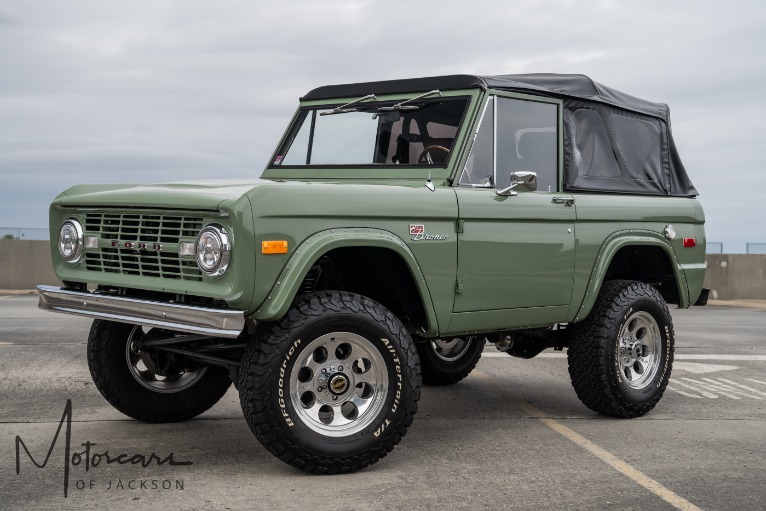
515, 252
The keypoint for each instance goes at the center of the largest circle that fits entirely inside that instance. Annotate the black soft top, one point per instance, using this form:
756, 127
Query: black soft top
548, 84
613, 142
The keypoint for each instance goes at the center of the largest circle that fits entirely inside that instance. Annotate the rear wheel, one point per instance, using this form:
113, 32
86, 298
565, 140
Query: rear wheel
447, 361
621, 356
150, 386
332, 387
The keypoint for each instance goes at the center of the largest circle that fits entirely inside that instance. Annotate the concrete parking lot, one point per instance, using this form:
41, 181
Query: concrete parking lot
512, 435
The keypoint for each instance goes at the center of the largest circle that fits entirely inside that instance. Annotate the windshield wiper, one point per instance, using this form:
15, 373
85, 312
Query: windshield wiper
345, 108
404, 106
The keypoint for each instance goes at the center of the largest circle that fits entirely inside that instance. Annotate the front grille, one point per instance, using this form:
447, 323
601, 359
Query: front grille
143, 227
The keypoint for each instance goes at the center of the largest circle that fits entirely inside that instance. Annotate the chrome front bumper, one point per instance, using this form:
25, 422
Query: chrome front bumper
172, 316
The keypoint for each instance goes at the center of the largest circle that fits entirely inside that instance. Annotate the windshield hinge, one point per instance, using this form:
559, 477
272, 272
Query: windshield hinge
459, 286
459, 225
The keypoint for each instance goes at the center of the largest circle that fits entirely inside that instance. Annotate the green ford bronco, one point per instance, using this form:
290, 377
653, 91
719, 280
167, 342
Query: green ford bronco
398, 227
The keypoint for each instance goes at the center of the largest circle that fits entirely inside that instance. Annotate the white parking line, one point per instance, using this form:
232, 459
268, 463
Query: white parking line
607, 457
500, 354
713, 388
678, 356
697, 368
710, 388
757, 381
752, 358
695, 396
751, 389
708, 395
721, 388
731, 389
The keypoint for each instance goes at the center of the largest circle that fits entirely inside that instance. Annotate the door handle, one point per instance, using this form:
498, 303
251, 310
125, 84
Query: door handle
567, 201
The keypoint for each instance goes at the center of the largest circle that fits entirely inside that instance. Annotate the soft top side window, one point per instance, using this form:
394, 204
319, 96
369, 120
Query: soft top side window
593, 155
527, 141
639, 143
514, 135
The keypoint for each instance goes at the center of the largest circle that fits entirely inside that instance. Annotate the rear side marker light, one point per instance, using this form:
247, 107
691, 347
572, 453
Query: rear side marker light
274, 247
690, 242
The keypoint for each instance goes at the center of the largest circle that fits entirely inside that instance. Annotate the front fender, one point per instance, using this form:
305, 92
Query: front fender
610, 247
289, 281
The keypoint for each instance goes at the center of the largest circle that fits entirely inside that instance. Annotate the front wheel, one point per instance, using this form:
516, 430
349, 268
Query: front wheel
333, 386
150, 386
447, 361
621, 356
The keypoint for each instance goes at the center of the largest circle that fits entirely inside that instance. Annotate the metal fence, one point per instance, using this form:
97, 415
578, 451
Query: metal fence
755, 248
714, 247
24, 233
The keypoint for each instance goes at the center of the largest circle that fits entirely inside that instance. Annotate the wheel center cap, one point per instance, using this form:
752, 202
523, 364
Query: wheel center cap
635, 350
338, 384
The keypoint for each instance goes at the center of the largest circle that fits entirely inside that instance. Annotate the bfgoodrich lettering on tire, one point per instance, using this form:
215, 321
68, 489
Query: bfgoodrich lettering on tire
621, 356
333, 386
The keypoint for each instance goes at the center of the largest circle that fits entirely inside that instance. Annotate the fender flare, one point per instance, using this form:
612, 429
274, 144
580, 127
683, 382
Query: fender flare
610, 247
315, 246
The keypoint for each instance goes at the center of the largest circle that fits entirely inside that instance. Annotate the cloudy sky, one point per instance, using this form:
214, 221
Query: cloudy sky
161, 90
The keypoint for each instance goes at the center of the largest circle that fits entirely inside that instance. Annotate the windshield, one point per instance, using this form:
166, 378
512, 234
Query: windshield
380, 133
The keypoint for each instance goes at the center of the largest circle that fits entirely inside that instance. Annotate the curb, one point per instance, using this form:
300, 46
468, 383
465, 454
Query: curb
743, 304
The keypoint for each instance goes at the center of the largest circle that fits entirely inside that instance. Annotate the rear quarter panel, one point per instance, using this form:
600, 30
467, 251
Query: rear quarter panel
604, 216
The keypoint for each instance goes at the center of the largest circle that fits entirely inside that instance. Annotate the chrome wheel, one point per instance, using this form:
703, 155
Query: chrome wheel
450, 350
139, 369
339, 384
639, 350
621, 355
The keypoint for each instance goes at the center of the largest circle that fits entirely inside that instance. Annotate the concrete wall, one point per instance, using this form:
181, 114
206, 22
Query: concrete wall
25, 264
736, 276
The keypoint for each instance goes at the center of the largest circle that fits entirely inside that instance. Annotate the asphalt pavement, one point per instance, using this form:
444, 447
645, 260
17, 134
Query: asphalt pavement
513, 435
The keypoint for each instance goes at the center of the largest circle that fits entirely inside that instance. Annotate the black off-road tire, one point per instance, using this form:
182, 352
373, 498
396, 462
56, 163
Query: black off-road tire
111, 373
600, 371
284, 354
439, 368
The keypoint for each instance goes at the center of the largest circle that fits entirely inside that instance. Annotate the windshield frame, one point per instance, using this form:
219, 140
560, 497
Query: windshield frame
375, 171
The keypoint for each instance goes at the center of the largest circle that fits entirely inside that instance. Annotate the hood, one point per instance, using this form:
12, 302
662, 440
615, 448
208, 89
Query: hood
187, 195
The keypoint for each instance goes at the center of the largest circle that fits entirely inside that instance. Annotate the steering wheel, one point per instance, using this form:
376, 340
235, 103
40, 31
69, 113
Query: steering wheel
438, 150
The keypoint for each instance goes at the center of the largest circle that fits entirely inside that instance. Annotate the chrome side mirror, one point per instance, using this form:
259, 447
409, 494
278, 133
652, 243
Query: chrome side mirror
526, 180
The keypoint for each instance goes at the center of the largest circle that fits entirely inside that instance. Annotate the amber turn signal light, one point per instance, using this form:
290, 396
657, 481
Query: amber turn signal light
274, 247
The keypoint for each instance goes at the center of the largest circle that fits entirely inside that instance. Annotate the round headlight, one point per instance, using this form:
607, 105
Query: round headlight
213, 250
70, 241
